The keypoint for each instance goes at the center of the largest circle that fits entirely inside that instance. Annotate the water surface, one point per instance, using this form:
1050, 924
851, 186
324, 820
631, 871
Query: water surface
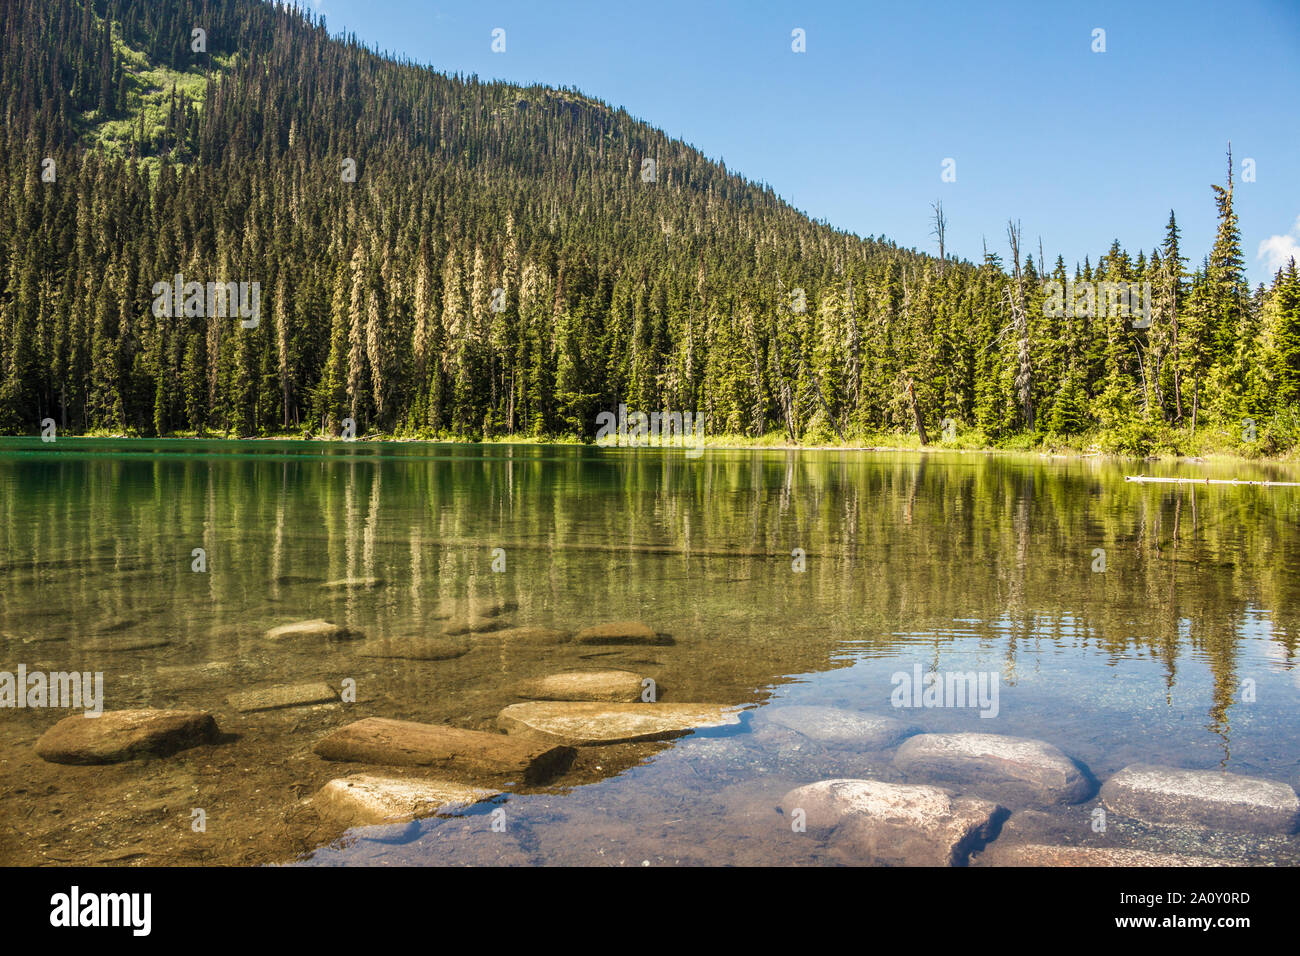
1182, 651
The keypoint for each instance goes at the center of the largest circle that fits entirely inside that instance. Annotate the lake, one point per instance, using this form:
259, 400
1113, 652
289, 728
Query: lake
1122, 623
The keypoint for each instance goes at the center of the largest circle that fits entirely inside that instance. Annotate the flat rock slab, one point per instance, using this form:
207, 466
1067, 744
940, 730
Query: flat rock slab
313, 630
530, 635
353, 584
379, 740
197, 672
840, 728
620, 632
1039, 854
118, 735
894, 823
416, 648
288, 695
584, 724
609, 686
1210, 798
365, 800
1018, 768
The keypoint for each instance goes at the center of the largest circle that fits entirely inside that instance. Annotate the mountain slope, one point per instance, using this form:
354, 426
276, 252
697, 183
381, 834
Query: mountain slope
503, 260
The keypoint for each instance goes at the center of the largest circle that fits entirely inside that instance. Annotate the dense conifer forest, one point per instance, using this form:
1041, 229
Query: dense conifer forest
439, 256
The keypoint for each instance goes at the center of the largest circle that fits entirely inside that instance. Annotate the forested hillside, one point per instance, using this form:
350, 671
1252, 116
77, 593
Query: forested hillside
506, 261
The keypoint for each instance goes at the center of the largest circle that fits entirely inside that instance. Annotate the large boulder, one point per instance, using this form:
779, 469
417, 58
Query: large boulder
872, 821
1016, 769
380, 740
609, 686
840, 729
118, 735
366, 800
1209, 798
581, 724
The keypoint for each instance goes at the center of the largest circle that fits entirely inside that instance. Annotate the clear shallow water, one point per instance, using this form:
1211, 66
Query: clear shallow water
950, 561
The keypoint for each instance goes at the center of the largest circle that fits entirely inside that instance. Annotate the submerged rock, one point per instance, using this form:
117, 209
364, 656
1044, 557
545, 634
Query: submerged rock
838, 728
609, 686
118, 735
437, 648
365, 800
1017, 768
1039, 854
620, 632
580, 724
290, 695
530, 635
313, 630
1210, 798
893, 823
379, 740
210, 670
353, 584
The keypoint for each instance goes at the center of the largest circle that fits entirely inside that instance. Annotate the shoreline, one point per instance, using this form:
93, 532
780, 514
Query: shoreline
1291, 458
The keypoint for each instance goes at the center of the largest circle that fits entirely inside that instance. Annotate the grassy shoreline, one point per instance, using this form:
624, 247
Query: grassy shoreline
1208, 445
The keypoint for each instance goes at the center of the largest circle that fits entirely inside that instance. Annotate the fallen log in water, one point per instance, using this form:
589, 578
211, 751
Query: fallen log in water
1212, 481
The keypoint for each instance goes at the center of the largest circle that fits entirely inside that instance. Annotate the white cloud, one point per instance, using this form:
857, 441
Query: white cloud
1276, 250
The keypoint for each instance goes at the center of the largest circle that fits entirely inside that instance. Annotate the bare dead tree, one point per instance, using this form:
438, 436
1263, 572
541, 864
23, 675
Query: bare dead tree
940, 229
1020, 321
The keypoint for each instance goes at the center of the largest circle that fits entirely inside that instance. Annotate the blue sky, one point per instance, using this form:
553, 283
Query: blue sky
1082, 147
